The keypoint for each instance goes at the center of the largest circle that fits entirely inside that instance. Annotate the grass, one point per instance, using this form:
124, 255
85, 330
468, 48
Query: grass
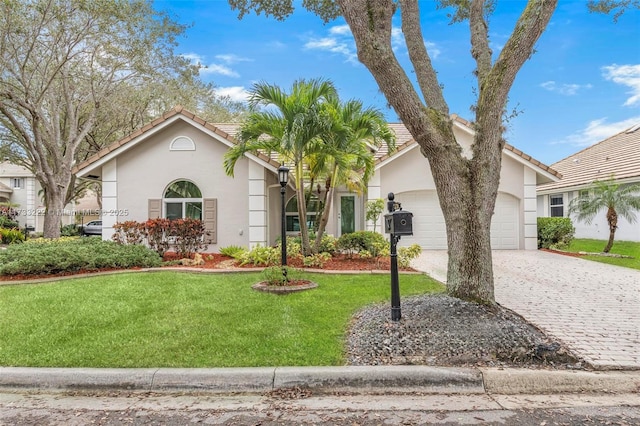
628, 248
172, 319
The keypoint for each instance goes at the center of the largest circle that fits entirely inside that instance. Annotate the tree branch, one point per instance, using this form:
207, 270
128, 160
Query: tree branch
480, 49
426, 75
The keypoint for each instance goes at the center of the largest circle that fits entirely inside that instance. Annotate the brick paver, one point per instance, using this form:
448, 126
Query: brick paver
594, 308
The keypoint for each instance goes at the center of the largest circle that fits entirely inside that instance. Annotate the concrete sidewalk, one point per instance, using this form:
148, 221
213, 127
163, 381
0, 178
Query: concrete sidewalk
592, 307
350, 379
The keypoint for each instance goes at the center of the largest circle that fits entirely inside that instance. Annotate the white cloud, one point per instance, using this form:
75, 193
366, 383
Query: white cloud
218, 69
342, 30
598, 130
627, 75
235, 93
433, 50
564, 89
231, 58
332, 44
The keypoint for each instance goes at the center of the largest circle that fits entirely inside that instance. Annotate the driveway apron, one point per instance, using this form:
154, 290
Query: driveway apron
594, 308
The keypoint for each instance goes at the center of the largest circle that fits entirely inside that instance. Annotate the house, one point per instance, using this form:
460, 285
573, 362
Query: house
617, 156
172, 167
20, 189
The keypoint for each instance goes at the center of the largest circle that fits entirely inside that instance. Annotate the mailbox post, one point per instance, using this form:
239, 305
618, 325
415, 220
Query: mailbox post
396, 223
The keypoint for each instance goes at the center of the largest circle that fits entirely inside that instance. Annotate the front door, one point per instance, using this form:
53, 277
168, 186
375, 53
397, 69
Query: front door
347, 215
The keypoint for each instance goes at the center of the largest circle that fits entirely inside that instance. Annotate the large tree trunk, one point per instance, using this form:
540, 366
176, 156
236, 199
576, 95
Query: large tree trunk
466, 187
55, 202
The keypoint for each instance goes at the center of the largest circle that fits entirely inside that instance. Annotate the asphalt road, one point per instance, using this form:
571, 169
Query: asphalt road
300, 407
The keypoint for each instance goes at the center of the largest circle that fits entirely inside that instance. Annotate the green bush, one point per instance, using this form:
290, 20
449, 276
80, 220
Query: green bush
555, 232
407, 254
316, 260
69, 231
280, 275
11, 236
70, 255
328, 244
8, 223
233, 251
261, 256
362, 241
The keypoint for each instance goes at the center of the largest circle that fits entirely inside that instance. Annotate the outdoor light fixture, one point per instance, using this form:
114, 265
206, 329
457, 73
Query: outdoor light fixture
283, 177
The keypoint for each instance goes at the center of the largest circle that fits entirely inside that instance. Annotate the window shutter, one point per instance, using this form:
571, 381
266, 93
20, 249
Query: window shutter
210, 219
155, 209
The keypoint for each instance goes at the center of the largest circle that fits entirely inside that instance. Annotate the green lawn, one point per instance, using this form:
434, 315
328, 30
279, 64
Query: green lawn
172, 319
628, 248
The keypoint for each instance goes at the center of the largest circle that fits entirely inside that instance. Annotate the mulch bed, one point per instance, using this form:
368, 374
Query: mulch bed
339, 262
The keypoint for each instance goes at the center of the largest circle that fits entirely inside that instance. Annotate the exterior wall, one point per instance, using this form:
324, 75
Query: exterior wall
145, 171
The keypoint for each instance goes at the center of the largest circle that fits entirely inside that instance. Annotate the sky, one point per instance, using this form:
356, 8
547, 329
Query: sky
581, 86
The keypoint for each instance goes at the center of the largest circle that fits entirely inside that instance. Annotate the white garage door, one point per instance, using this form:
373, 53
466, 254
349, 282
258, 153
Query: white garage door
429, 228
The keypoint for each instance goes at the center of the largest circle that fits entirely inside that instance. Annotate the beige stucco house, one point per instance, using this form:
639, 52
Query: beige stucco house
172, 167
617, 156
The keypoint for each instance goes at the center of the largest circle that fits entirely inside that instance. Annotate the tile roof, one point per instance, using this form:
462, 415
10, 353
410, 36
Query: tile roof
229, 130
618, 155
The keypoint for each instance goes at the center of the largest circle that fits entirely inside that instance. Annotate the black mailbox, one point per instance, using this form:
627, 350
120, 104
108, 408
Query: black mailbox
399, 222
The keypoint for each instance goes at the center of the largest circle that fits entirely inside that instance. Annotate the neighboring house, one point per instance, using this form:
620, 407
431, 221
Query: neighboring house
617, 156
20, 189
172, 168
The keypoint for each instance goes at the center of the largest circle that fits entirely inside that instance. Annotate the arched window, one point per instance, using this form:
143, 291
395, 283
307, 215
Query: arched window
182, 143
182, 199
314, 207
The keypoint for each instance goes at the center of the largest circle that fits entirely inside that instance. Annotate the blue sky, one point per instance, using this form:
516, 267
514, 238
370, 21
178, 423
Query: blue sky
581, 86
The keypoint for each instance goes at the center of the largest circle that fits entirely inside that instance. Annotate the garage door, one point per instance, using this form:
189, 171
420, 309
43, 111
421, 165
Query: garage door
428, 222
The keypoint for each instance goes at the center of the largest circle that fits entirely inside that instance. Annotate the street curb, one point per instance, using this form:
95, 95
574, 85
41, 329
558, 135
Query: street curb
355, 379
526, 381
389, 379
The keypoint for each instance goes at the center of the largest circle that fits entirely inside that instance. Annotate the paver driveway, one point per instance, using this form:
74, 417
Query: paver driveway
592, 307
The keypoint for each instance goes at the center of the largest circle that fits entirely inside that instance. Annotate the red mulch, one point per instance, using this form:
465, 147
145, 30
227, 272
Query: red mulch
340, 262
564, 253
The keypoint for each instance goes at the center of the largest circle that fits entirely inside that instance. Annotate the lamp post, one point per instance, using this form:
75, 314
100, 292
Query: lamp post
283, 177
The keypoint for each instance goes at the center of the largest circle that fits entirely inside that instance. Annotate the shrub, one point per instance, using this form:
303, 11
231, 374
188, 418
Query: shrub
316, 260
328, 244
188, 236
261, 256
11, 236
129, 232
8, 223
407, 254
362, 241
156, 232
70, 231
555, 232
280, 275
184, 235
233, 251
70, 255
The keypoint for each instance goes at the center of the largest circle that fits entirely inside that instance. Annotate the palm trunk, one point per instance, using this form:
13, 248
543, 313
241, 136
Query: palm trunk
612, 219
324, 219
302, 210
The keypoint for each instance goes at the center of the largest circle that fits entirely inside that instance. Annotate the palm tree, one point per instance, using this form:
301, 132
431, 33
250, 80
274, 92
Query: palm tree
347, 157
290, 125
616, 198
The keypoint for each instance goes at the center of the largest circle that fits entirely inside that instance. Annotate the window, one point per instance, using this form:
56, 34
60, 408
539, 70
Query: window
17, 183
314, 206
556, 205
182, 143
183, 199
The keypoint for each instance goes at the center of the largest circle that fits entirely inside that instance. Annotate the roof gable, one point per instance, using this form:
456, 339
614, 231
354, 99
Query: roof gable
405, 143
618, 155
177, 113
